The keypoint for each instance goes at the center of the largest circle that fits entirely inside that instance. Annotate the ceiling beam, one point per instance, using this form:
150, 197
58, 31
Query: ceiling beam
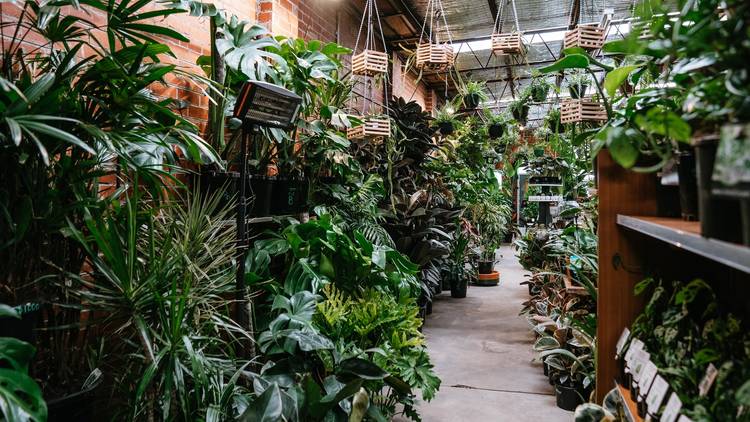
401, 7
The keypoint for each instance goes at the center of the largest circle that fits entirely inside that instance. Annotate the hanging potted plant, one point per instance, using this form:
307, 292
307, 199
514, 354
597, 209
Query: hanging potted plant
519, 108
578, 84
472, 94
446, 120
540, 87
496, 125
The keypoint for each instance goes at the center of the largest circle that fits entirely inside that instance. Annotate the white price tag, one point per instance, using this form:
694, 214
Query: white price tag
639, 363
621, 342
635, 346
674, 405
656, 394
647, 377
708, 380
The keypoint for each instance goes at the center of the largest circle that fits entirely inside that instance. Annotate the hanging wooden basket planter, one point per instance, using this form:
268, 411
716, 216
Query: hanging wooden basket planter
590, 37
370, 128
509, 43
435, 56
582, 110
370, 63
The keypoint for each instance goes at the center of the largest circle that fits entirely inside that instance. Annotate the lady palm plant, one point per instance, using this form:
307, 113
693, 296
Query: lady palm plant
80, 123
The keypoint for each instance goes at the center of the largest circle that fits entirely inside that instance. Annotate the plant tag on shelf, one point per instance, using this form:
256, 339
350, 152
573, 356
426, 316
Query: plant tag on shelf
621, 342
639, 363
708, 380
656, 394
672, 411
635, 345
647, 377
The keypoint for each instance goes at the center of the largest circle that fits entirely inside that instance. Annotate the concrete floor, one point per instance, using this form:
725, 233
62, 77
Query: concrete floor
482, 352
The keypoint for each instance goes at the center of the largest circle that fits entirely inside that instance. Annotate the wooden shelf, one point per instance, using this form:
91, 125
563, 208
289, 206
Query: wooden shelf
631, 408
685, 235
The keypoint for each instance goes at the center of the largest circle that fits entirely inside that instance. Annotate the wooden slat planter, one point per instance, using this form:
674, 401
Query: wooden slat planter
369, 129
435, 56
590, 37
370, 63
581, 110
509, 43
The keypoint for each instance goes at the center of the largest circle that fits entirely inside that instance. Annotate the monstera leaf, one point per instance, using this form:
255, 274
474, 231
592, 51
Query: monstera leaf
20, 396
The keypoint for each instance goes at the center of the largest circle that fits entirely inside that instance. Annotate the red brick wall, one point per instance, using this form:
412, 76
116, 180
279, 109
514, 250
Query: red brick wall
326, 20
405, 85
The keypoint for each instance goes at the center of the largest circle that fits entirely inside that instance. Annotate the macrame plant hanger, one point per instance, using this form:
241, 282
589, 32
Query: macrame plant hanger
368, 64
431, 53
508, 43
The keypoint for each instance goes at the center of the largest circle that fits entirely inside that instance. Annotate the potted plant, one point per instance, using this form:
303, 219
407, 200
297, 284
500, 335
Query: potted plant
496, 125
578, 84
473, 93
519, 108
539, 87
446, 120
552, 120
457, 274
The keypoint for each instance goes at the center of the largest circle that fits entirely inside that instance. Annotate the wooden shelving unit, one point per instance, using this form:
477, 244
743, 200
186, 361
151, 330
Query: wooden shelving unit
630, 407
635, 243
686, 235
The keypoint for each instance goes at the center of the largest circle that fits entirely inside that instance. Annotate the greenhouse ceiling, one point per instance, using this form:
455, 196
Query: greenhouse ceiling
470, 24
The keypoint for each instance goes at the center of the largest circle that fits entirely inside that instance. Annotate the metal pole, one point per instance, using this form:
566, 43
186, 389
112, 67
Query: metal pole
242, 316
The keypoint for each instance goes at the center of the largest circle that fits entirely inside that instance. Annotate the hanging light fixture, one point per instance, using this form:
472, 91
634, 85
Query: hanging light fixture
432, 54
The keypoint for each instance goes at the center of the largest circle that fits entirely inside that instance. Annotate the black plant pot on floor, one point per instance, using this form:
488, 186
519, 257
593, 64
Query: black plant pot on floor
459, 287
486, 267
568, 398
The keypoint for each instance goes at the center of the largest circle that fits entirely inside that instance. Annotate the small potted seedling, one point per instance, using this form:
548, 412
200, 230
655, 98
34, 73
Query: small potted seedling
446, 120
578, 84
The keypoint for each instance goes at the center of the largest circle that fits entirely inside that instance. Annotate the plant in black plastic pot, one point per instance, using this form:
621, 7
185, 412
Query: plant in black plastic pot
539, 88
446, 120
578, 83
496, 124
473, 94
457, 273
519, 108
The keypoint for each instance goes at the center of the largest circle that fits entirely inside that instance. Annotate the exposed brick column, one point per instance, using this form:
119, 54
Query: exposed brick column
279, 16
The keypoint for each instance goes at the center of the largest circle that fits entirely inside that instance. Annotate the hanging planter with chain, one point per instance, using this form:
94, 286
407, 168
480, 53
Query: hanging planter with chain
368, 64
507, 43
432, 54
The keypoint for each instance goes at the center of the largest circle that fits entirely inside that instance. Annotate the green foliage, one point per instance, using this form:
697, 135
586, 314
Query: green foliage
20, 396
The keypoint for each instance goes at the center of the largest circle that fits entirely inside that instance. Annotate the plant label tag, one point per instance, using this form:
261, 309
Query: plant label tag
656, 394
647, 377
635, 345
708, 380
684, 418
674, 405
639, 363
621, 342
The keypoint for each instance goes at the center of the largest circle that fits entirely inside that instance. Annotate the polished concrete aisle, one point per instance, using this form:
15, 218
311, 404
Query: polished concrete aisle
481, 349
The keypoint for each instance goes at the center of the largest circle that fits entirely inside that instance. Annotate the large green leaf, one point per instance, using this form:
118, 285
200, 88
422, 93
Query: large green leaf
265, 408
361, 368
573, 61
8, 311
615, 78
20, 397
15, 353
665, 122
